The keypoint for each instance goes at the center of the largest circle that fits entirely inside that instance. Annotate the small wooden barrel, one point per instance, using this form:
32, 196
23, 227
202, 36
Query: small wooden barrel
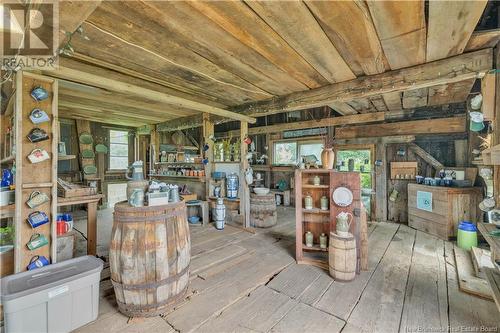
149, 257
262, 210
342, 257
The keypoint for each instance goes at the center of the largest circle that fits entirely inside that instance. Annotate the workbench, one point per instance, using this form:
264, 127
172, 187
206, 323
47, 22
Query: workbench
91, 202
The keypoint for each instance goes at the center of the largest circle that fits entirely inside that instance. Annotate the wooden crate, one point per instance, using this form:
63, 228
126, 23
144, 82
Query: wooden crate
69, 190
449, 207
404, 170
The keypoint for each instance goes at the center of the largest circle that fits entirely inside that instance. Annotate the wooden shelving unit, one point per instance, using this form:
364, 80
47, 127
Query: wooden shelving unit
35, 177
322, 221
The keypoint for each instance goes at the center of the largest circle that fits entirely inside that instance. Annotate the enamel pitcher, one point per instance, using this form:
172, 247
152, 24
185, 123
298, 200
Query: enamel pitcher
344, 220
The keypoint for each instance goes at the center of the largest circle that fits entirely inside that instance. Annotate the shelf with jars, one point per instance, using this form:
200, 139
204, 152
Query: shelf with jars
317, 213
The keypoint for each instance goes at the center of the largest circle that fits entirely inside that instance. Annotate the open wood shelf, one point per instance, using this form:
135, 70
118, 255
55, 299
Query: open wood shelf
315, 247
7, 159
310, 186
65, 157
7, 211
315, 211
200, 179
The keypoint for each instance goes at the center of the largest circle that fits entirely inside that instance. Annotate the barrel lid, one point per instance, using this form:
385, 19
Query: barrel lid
467, 226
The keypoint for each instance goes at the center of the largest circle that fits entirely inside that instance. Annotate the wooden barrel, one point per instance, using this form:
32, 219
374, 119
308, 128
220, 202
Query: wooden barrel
262, 210
342, 257
149, 257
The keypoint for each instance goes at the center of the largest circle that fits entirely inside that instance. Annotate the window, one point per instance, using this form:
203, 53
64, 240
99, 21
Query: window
285, 153
290, 152
118, 150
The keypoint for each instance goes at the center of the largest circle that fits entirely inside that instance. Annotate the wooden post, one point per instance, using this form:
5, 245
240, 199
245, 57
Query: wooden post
244, 190
496, 124
381, 181
208, 130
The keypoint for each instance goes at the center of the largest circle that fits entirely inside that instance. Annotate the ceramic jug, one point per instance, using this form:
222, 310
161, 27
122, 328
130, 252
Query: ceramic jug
316, 181
323, 241
344, 220
324, 203
309, 239
308, 202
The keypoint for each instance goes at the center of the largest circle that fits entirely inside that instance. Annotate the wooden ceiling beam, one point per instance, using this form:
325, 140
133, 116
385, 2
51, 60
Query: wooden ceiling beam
415, 127
109, 111
119, 100
483, 39
126, 88
454, 69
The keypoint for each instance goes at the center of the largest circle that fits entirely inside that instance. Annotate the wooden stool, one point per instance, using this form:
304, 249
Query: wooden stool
204, 210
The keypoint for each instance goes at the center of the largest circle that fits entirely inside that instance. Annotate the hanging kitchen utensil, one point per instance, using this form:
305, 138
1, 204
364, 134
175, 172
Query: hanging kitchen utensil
38, 155
37, 135
342, 196
87, 153
39, 94
38, 116
89, 170
100, 148
86, 138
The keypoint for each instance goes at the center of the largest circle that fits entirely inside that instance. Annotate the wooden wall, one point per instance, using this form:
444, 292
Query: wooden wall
441, 148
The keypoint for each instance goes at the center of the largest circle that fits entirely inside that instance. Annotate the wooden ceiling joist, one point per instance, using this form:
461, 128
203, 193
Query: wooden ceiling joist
122, 87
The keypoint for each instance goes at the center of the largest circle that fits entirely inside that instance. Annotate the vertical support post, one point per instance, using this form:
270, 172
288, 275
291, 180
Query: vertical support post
381, 182
244, 190
496, 123
208, 130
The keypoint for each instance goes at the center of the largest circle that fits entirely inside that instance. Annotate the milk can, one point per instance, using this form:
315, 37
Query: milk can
232, 186
219, 214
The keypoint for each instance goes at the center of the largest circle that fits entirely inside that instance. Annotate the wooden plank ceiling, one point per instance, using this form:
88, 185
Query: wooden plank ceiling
230, 53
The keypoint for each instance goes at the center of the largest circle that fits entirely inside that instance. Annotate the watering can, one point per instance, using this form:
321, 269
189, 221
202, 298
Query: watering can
344, 220
137, 173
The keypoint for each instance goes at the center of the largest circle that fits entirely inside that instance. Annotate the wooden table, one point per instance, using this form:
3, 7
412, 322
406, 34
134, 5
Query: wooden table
91, 202
492, 275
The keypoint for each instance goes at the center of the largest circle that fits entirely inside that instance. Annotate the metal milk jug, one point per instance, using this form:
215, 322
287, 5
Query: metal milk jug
136, 199
344, 220
219, 214
137, 173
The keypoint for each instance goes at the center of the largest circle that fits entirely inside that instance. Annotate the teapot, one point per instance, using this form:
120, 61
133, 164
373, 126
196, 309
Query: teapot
344, 220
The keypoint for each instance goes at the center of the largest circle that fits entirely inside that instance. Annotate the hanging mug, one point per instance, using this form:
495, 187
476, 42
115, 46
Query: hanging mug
37, 135
37, 262
39, 94
38, 155
37, 198
37, 219
37, 241
38, 116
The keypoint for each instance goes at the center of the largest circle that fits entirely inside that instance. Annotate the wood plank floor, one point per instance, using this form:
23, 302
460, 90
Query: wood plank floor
243, 282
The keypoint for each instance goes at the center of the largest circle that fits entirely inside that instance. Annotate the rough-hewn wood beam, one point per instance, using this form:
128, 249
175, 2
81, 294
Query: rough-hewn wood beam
326, 122
123, 87
454, 69
416, 127
426, 156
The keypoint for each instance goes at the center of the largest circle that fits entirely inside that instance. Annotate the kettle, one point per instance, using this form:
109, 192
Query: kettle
137, 173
